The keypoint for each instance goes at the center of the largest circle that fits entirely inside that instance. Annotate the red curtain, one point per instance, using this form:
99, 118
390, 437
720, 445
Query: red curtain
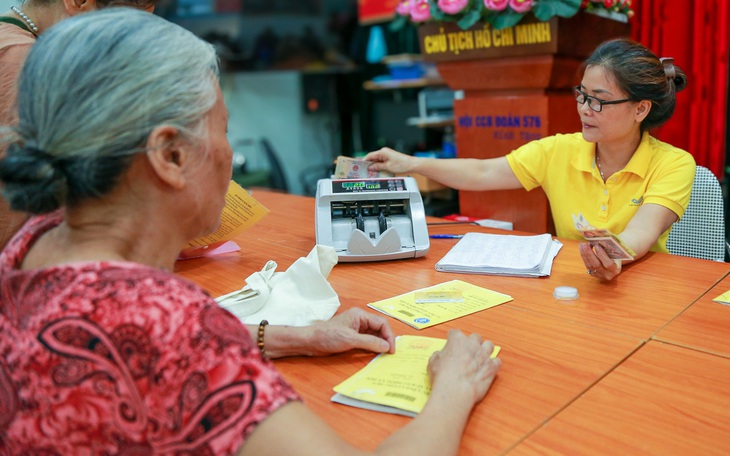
695, 33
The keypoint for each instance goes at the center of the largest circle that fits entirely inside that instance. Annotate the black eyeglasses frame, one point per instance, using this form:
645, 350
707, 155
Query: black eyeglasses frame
579, 93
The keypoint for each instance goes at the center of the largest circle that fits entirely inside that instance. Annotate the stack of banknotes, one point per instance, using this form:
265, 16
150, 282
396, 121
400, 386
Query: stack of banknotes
354, 168
611, 243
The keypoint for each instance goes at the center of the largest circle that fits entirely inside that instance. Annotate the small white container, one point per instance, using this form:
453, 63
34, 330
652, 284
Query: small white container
565, 293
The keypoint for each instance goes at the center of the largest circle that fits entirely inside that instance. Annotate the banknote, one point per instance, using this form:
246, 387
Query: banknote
609, 242
353, 168
613, 246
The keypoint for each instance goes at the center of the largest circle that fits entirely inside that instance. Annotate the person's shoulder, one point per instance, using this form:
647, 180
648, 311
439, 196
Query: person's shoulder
150, 294
147, 283
560, 142
563, 139
14, 39
571, 138
670, 152
20, 242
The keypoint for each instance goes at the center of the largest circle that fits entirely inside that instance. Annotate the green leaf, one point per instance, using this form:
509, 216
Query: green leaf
471, 18
398, 23
488, 15
437, 14
545, 9
505, 19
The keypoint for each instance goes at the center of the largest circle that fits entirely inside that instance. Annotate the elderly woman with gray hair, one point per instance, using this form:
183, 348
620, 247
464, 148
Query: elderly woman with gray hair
19, 28
121, 150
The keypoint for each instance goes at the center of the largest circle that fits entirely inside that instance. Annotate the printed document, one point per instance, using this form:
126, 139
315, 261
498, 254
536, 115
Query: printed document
413, 310
394, 383
501, 254
723, 298
240, 213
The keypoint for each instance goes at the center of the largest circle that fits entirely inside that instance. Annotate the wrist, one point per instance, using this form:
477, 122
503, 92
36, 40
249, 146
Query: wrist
417, 164
460, 395
283, 341
261, 333
454, 385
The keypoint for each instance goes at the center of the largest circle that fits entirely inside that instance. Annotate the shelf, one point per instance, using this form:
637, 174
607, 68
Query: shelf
392, 84
430, 122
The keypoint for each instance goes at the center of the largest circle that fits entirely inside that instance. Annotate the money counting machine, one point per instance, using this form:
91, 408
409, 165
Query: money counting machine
371, 219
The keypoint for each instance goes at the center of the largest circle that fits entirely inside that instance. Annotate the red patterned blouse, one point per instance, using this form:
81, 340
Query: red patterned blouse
115, 357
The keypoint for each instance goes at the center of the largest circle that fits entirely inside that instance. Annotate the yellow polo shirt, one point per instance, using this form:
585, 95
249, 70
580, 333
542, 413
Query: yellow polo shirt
564, 166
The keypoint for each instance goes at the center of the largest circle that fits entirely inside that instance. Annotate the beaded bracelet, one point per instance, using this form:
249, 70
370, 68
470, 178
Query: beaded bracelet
260, 339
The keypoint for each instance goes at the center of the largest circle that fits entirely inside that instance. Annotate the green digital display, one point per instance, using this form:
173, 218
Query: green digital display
353, 185
368, 185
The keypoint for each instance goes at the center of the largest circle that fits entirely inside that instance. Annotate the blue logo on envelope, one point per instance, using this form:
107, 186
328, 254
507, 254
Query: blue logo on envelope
421, 320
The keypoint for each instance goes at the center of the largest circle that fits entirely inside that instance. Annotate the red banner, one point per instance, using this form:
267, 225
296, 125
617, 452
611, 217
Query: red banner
371, 11
696, 35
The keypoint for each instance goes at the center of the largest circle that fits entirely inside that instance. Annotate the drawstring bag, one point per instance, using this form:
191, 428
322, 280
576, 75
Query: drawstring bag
298, 296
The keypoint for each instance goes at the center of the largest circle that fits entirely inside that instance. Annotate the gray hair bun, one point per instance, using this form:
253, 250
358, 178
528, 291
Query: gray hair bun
34, 180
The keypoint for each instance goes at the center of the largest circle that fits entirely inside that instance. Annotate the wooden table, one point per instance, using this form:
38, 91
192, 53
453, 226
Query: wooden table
553, 354
705, 325
663, 400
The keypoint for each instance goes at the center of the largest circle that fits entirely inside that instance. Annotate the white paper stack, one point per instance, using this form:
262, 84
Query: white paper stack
502, 254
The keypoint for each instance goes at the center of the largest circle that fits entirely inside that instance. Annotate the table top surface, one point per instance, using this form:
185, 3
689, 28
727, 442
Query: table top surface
664, 399
705, 325
553, 353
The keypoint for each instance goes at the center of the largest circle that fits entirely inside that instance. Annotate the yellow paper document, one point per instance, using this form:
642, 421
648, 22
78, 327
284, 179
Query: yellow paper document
396, 383
240, 213
424, 314
723, 298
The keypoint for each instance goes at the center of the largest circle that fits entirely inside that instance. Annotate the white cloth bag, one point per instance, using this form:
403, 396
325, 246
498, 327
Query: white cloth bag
298, 296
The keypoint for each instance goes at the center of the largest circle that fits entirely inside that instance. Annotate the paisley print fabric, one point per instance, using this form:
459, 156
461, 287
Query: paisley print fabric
119, 358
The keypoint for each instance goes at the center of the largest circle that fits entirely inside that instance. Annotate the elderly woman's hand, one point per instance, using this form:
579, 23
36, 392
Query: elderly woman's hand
352, 329
598, 264
464, 366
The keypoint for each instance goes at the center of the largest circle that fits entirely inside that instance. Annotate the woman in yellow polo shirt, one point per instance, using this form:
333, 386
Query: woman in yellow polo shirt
613, 172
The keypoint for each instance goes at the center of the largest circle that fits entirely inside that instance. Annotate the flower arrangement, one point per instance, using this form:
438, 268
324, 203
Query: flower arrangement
499, 13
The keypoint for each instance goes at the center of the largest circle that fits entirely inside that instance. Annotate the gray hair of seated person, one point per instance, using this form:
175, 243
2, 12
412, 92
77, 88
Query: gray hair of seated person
91, 91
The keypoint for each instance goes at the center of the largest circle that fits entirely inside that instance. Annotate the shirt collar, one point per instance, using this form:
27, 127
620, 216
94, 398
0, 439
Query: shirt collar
639, 163
585, 160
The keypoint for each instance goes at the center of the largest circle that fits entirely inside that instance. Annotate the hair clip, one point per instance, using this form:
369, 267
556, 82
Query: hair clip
668, 64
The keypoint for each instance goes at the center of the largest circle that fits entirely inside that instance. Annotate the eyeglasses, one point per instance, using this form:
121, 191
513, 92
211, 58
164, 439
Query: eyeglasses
593, 102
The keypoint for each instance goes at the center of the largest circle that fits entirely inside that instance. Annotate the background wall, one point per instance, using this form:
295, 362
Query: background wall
270, 104
266, 93
268, 49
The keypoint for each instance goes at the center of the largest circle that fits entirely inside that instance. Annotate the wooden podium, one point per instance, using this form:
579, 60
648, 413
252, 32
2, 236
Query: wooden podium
517, 87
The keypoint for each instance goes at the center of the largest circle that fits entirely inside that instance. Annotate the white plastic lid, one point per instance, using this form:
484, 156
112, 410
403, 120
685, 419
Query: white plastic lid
566, 293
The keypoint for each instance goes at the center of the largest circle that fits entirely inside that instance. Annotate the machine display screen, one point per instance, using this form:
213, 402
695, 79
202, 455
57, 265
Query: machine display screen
368, 185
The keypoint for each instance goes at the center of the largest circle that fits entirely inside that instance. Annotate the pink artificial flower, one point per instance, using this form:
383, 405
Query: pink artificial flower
496, 5
521, 6
452, 6
404, 7
421, 11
